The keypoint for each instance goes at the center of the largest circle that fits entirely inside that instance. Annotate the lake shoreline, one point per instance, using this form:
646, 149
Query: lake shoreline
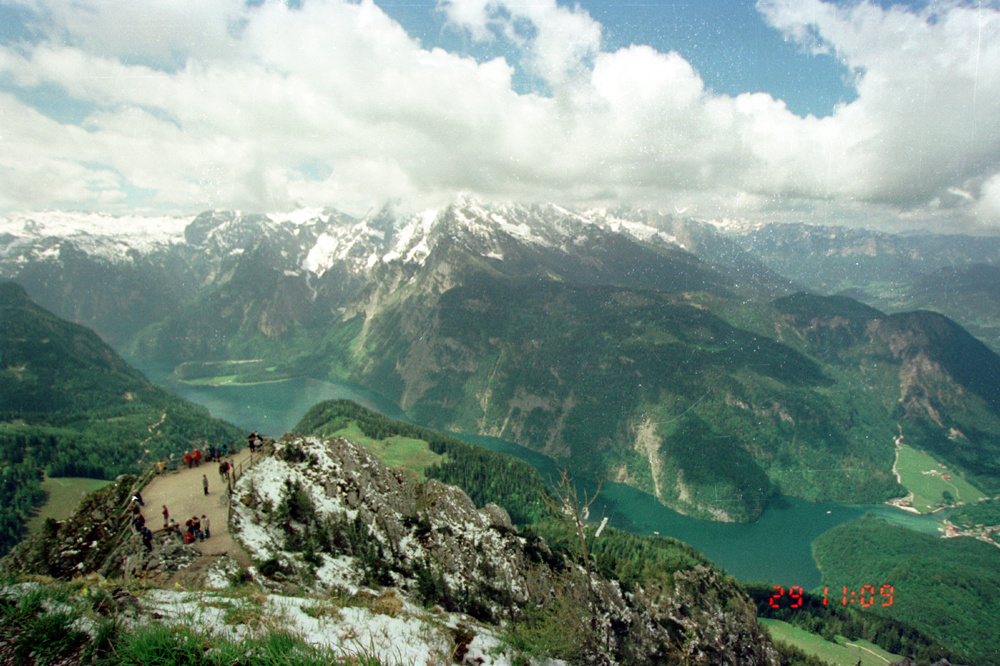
776, 547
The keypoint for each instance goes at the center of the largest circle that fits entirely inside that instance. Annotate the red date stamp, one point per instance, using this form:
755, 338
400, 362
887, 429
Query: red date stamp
867, 596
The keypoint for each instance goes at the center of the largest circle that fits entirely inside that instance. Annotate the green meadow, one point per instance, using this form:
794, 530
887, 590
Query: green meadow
924, 476
62, 497
841, 653
408, 455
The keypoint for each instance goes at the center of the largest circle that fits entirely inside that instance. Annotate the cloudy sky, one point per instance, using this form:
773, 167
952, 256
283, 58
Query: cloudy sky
859, 112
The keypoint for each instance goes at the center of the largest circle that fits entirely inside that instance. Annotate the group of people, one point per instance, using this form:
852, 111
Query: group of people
194, 457
194, 527
138, 521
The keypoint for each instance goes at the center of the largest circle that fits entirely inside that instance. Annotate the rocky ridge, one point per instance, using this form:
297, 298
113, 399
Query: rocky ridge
431, 543
326, 519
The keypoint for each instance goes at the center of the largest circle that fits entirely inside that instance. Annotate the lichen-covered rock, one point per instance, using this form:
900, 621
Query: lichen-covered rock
88, 542
366, 524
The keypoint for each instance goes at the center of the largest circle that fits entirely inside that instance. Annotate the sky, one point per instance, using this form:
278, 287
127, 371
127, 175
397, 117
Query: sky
849, 112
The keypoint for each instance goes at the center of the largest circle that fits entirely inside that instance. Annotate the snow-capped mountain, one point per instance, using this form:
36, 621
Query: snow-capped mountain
314, 240
576, 333
120, 274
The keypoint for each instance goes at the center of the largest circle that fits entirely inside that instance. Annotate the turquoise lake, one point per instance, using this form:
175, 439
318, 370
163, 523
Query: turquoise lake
777, 547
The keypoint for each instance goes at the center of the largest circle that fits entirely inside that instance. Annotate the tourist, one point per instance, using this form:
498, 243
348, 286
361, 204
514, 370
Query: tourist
205, 526
166, 516
204, 483
196, 457
188, 460
147, 538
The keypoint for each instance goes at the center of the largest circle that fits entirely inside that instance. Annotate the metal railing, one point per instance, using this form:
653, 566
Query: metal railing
235, 472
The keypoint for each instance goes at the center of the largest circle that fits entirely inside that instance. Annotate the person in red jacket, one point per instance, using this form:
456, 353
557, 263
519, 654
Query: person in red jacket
188, 459
196, 456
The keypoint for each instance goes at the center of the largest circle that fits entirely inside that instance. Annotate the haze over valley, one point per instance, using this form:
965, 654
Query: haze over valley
623, 344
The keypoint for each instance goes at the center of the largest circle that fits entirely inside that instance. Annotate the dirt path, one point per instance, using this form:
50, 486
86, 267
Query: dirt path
862, 647
183, 494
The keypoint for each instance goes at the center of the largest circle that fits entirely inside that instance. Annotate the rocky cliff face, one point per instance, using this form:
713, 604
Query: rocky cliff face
328, 518
97, 539
327, 514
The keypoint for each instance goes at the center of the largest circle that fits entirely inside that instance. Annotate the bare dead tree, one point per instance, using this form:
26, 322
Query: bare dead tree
567, 507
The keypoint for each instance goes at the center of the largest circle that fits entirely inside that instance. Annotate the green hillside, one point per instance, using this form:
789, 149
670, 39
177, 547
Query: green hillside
926, 376
947, 588
72, 407
649, 387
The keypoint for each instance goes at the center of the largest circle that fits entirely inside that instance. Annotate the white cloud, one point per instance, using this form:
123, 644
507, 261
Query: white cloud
216, 104
927, 115
558, 42
989, 202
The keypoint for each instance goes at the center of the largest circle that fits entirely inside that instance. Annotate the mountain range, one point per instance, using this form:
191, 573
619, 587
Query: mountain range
679, 356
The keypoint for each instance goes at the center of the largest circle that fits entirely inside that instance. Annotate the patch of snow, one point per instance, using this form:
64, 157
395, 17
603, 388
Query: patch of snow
321, 256
218, 574
413, 234
297, 217
418, 253
409, 636
159, 229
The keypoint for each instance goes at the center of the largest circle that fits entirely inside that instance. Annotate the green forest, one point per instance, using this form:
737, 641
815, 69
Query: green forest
980, 513
20, 488
832, 619
946, 588
72, 407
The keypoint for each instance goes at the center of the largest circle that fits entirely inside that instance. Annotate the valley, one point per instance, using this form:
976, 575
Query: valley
777, 546
624, 344
718, 402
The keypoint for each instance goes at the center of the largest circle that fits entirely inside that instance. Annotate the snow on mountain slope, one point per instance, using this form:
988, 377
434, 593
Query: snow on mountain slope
632, 223
38, 234
314, 241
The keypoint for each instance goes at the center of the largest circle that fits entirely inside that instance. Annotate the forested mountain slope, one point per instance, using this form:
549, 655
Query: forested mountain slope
624, 344
947, 588
73, 407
